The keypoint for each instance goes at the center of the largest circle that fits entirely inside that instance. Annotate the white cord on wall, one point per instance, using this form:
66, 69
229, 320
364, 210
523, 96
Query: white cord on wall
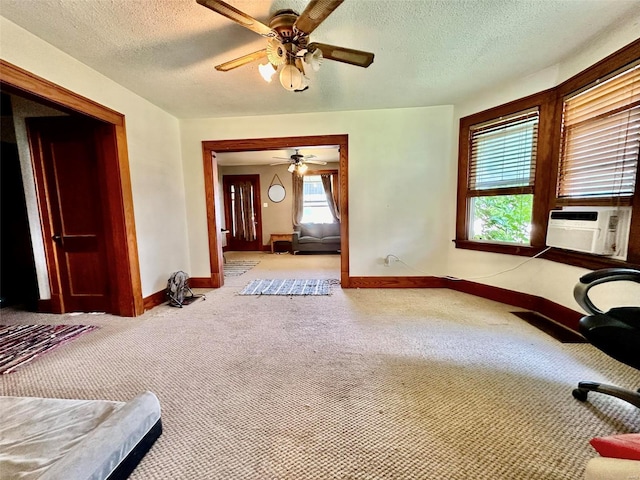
388, 258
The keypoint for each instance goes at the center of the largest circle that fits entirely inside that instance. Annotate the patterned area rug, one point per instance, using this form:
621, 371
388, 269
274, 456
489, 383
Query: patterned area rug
20, 344
289, 287
235, 268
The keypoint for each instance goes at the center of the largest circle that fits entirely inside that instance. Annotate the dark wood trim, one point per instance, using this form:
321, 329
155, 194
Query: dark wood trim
494, 247
551, 103
321, 172
49, 305
212, 187
556, 312
209, 149
201, 282
155, 299
39, 88
604, 67
576, 259
129, 300
545, 102
397, 282
617, 60
343, 200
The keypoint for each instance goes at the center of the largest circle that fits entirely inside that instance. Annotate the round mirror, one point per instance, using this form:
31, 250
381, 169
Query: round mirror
276, 193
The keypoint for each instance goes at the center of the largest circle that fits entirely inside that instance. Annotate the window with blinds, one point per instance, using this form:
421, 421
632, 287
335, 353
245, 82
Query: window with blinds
601, 139
503, 153
501, 177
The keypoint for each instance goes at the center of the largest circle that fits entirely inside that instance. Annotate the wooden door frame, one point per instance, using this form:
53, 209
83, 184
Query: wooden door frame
112, 143
257, 203
211, 186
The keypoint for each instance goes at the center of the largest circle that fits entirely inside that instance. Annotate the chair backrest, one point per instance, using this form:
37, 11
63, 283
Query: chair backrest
617, 331
581, 290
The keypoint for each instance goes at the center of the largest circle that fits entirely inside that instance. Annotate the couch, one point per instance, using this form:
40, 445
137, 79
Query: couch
316, 237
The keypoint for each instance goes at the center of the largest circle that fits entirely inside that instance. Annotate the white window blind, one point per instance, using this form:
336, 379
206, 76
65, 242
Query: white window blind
503, 152
601, 138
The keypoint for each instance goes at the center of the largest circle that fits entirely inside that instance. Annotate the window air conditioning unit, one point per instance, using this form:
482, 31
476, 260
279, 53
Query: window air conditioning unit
596, 230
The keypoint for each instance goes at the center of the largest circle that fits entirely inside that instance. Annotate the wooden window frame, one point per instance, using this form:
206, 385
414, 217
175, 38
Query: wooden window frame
550, 103
545, 103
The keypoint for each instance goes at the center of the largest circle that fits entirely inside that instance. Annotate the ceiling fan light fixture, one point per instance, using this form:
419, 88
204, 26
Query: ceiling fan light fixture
276, 52
267, 71
302, 168
314, 59
291, 78
291, 168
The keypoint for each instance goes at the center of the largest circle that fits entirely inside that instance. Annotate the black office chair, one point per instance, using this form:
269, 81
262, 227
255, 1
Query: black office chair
616, 332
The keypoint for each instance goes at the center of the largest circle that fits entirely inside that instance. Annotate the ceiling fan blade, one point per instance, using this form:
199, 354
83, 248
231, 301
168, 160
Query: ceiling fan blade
317, 162
315, 13
237, 16
240, 61
344, 55
278, 163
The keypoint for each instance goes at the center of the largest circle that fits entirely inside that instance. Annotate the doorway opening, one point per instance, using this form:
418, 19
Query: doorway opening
215, 214
124, 274
18, 282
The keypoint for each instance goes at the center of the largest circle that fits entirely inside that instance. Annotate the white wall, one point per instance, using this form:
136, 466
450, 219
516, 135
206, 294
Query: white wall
399, 168
538, 277
153, 144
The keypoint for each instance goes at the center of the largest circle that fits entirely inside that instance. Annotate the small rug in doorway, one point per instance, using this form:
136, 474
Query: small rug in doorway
235, 268
20, 344
289, 287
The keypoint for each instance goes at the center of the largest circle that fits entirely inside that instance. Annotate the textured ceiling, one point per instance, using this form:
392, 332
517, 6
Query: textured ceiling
427, 52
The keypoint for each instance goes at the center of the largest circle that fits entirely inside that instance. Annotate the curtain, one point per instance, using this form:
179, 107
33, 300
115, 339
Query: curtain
297, 187
244, 215
330, 193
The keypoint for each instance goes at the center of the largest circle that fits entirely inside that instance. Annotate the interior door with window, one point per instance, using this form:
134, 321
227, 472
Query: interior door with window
242, 212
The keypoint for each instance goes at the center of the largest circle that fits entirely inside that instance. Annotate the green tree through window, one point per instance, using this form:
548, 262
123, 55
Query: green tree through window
503, 218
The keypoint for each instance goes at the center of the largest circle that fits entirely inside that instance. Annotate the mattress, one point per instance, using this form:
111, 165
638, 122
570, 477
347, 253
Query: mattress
47, 439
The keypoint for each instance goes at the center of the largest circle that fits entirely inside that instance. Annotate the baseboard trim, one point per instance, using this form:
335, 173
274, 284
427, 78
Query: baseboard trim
154, 300
201, 282
50, 305
45, 306
556, 312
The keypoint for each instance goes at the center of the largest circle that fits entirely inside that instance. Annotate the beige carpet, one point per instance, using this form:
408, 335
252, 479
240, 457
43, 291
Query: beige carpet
362, 384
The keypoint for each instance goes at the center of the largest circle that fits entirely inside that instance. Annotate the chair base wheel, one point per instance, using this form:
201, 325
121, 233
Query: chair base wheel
579, 394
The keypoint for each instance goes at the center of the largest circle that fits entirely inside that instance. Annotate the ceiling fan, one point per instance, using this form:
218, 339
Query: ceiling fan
298, 161
288, 48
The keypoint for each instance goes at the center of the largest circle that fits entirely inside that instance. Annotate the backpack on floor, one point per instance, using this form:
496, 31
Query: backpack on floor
178, 290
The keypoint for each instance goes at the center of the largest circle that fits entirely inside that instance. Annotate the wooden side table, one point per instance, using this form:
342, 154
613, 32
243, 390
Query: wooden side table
280, 237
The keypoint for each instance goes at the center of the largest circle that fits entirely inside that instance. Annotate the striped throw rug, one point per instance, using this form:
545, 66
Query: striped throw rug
20, 344
235, 268
289, 287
